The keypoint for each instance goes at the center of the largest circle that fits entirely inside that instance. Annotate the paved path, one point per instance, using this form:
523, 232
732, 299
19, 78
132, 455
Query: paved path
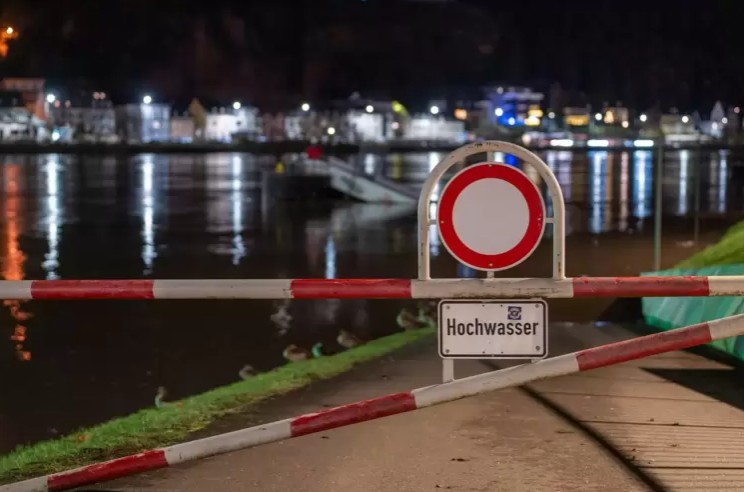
661, 433
677, 417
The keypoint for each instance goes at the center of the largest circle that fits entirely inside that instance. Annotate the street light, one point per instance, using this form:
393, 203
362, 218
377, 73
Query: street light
6, 35
147, 99
685, 119
236, 105
369, 108
305, 107
498, 112
643, 118
598, 116
551, 115
434, 109
50, 98
724, 120
331, 130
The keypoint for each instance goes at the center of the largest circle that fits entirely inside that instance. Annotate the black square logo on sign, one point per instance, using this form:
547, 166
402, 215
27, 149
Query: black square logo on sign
515, 313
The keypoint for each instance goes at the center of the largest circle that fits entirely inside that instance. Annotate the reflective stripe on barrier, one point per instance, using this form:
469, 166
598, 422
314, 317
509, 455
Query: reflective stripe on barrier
583, 360
384, 288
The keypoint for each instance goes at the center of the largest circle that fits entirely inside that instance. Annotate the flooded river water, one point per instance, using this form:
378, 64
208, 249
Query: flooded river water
69, 364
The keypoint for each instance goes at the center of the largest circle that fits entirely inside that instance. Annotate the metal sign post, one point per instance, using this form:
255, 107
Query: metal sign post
491, 217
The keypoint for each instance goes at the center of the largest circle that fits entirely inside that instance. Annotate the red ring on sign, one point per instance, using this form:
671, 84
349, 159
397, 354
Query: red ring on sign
535, 206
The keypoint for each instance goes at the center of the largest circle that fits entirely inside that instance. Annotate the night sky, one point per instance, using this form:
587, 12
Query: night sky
685, 53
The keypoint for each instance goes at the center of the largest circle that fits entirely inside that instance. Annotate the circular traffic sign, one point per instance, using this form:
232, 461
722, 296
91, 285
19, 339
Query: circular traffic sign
491, 216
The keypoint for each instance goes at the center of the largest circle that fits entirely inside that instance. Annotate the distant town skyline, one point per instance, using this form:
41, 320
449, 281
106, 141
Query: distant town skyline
267, 53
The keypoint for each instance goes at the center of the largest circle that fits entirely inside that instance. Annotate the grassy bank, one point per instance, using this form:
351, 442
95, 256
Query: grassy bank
728, 251
154, 427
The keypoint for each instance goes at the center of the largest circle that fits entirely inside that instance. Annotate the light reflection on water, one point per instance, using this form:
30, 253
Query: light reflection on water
642, 186
236, 200
599, 173
624, 192
718, 175
14, 258
51, 258
148, 213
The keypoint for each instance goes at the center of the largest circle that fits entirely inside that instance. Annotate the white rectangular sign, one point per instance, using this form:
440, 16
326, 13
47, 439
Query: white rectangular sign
493, 328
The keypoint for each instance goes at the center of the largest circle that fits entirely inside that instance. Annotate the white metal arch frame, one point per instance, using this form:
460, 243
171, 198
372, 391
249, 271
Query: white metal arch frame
490, 146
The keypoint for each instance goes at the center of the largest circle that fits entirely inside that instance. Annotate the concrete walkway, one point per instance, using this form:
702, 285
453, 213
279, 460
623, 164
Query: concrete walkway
638, 426
677, 417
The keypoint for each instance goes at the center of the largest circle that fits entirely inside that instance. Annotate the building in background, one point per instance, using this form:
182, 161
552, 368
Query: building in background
576, 118
32, 93
431, 128
182, 127
247, 123
17, 123
13, 117
220, 125
296, 126
82, 116
615, 116
366, 126
362, 119
679, 128
224, 124
513, 106
143, 122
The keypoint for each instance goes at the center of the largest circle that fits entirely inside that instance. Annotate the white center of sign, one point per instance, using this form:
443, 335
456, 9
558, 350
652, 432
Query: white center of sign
490, 216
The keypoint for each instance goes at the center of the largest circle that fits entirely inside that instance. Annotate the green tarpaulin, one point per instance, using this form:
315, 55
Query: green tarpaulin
667, 313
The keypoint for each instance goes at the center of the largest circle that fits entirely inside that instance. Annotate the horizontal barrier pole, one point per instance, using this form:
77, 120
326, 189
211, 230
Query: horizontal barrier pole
363, 288
584, 360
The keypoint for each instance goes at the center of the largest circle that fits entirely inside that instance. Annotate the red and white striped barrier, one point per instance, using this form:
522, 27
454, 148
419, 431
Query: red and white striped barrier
382, 288
362, 411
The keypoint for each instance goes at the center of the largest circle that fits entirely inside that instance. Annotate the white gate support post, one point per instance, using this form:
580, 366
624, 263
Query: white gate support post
459, 155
